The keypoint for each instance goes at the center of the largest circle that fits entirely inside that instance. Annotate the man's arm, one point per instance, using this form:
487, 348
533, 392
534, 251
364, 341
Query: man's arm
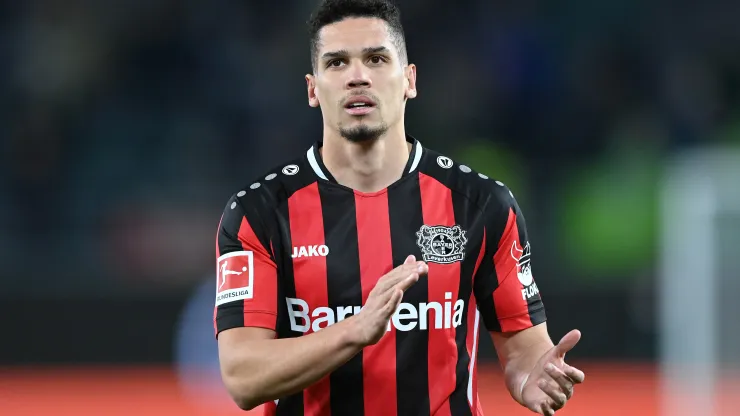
511, 307
257, 368
535, 370
518, 353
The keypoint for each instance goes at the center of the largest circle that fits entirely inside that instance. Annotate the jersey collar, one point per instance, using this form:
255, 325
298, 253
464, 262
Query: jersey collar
317, 163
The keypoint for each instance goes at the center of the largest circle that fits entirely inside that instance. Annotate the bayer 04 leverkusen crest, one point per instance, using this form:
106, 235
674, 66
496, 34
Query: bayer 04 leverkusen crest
442, 244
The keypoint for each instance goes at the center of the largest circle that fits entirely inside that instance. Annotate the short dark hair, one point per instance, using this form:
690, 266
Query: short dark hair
333, 11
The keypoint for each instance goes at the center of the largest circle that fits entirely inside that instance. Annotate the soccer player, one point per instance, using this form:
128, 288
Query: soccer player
353, 279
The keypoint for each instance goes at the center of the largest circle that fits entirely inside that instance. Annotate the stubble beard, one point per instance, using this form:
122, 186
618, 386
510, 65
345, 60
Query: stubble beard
363, 133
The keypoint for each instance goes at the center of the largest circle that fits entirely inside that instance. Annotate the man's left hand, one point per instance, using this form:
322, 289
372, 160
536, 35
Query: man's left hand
550, 384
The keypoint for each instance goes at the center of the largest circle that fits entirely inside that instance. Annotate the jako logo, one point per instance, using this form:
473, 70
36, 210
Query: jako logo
406, 318
310, 251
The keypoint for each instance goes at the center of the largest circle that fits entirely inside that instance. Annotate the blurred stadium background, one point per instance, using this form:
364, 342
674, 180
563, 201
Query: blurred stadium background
126, 125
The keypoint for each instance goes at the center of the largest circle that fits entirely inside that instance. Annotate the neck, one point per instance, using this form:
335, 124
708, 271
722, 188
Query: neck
366, 167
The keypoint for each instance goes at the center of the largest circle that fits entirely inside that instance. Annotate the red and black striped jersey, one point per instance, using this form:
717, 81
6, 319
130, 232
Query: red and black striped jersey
297, 251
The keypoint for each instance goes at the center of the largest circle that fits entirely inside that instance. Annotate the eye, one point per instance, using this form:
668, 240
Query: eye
377, 59
336, 63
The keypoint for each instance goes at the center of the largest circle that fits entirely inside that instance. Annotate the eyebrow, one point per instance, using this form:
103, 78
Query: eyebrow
343, 52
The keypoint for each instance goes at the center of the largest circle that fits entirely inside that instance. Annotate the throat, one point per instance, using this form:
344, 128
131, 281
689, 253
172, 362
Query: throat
366, 167
368, 183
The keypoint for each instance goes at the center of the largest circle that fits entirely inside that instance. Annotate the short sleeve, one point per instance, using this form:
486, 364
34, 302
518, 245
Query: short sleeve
247, 278
507, 296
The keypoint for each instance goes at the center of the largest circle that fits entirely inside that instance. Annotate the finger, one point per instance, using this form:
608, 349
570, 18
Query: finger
557, 396
392, 278
398, 301
401, 273
404, 270
546, 409
563, 381
410, 259
408, 282
384, 295
393, 302
574, 374
382, 299
384, 289
568, 342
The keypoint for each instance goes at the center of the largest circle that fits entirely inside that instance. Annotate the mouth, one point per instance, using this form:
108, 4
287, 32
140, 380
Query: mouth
359, 106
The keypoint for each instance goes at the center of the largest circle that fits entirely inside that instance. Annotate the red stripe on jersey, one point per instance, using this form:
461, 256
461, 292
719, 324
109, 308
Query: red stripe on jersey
376, 259
437, 209
261, 310
472, 338
511, 304
306, 230
269, 409
480, 256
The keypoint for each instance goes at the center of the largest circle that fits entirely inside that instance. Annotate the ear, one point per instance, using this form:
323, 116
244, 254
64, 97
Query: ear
410, 73
313, 98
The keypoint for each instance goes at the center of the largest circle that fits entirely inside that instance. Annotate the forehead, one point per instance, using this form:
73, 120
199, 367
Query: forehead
354, 34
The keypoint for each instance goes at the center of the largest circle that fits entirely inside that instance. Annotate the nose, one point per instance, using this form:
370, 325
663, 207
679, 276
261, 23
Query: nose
358, 77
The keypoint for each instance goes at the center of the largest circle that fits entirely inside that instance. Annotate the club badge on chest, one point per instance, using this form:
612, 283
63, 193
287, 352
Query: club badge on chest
441, 244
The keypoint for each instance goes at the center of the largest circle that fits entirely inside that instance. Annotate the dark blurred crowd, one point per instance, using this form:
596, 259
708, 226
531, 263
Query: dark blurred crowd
126, 125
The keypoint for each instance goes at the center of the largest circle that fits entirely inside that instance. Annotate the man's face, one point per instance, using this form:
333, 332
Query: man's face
360, 82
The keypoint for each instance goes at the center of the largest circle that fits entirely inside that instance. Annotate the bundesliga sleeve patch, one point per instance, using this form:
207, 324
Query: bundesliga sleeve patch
235, 277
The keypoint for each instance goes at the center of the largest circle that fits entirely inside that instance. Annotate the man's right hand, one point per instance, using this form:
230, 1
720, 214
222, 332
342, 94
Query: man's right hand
384, 299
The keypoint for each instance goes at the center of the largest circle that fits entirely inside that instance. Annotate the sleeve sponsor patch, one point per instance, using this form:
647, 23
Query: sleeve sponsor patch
235, 277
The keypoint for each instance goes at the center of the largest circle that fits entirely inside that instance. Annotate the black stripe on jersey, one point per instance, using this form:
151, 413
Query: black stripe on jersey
292, 405
344, 289
231, 315
534, 304
497, 216
470, 217
412, 348
486, 280
298, 179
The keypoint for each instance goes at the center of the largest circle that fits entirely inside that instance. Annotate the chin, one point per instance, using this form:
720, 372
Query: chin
363, 132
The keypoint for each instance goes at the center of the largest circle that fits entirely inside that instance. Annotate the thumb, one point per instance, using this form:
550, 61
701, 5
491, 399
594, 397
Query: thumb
568, 342
410, 259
